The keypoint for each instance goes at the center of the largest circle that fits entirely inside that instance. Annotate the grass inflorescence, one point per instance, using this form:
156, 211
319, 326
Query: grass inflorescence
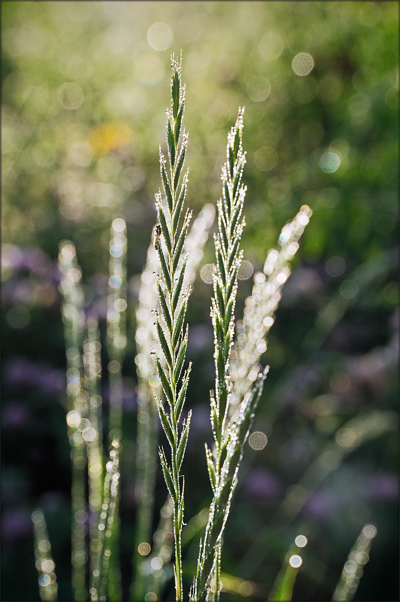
161, 343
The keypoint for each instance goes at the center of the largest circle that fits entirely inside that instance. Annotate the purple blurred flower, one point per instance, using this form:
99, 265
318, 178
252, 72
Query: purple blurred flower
20, 372
262, 483
16, 526
319, 505
28, 258
384, 486
15, 415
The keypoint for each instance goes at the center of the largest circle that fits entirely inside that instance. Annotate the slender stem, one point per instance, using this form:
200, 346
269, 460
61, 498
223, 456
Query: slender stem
74, 323
44, 561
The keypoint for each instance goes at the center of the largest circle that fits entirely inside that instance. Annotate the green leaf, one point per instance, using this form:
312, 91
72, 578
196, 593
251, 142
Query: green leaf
167, 475
164, 227
164, 344
178, 324
214, 418
236, 182
178, 207
171, 144
221, 265
164, 268
233, 253
219, 331
223, 233
220, 364
179, 166
183, 441
211, 468
178, 123
181, 357
165, 383
181, 504
219, 296
231, 160
227, 197
235, 218
224, 449
182, 393
166, 186
180, 243
232, 281
178, 286
175, 93
228, 315
236, 144
166, 424
164, 307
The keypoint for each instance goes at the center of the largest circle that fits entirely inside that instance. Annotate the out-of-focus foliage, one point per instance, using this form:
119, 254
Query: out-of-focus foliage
83, 98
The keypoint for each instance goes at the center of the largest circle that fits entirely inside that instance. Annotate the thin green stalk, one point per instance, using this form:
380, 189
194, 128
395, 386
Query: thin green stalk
94, 442
170, 236
116, 323
208, 564
116, 345
353, 567
228, 259
261, 305
74, 323
282, 590
109, 514
147, 431
348, 438
45, 565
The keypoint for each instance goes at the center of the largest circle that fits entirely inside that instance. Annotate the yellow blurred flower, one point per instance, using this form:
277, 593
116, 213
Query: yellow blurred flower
108, 137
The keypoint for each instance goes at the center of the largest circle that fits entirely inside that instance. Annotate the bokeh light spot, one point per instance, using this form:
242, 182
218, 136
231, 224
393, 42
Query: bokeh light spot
329, 162
206, 273
303, 63
154, 381
271, 46
265, 158
349, 289
71, 65
44, 580
160, 36
295, 561
156, 564
119, 224
245, 270
335, 266
301, 541
370, 531
144, 548
70, 96
258, 440
258, 88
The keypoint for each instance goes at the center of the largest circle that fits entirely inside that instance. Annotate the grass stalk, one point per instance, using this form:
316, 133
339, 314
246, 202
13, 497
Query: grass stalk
45, 565
353, 567
228, 259
116, 345
282, 590
170, 236
223, 493
260, 307
74, 324
147, 431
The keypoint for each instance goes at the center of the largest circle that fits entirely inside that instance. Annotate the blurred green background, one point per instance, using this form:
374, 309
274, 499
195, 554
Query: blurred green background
85, 86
